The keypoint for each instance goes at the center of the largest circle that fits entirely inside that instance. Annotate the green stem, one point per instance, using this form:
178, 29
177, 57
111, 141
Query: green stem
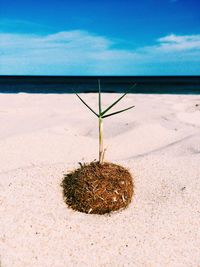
100, 140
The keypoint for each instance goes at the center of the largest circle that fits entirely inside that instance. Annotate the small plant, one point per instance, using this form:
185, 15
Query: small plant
103, 114
99, 187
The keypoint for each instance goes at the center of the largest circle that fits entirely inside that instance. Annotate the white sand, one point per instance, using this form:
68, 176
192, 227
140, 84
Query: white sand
44, 136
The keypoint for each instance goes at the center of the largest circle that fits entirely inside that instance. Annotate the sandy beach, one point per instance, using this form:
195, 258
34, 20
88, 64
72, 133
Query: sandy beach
42, 137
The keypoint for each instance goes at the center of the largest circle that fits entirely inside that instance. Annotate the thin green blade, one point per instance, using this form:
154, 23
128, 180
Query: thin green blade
114, 113
99, 96
87, 105
106, 110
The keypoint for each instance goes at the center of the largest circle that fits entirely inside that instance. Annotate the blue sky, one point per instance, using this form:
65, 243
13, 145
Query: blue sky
141, 37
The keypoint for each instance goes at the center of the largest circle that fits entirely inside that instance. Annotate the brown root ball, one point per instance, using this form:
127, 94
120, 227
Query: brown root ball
98, 188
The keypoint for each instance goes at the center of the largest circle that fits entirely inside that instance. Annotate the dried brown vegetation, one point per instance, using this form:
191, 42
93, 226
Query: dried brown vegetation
98, 188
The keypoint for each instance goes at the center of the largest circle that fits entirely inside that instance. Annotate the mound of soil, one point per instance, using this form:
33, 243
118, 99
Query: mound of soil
98, 188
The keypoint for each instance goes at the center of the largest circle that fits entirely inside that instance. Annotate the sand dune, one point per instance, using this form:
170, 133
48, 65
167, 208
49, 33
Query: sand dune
44, 136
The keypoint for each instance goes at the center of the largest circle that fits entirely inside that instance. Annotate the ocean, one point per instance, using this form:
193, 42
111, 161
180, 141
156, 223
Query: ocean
112, 84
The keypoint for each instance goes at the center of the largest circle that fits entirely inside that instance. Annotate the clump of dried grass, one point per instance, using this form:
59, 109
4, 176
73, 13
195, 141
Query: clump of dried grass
98, 188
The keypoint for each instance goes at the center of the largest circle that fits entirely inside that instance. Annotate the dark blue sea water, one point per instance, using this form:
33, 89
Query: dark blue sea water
120, 84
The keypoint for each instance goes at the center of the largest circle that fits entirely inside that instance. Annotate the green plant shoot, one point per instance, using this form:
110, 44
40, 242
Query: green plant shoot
102, 114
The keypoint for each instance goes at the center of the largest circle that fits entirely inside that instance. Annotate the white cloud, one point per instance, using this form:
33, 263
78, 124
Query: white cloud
80, 52
185, 42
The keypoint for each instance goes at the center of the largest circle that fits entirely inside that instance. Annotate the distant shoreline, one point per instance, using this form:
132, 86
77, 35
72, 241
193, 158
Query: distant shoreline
88, 84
